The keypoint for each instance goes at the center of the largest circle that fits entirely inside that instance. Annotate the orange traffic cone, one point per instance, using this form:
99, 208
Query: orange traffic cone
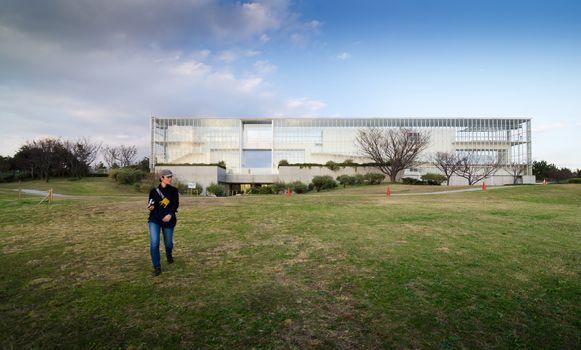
288, 192
388, 193
483, 186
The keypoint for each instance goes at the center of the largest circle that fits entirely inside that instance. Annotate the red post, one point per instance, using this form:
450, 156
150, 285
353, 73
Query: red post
483, 186
288, 192
388, 193
545, 182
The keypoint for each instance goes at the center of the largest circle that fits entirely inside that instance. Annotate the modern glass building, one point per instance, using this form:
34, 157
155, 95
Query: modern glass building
256, 145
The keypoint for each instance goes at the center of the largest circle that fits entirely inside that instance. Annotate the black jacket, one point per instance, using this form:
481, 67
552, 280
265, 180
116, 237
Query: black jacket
164, 204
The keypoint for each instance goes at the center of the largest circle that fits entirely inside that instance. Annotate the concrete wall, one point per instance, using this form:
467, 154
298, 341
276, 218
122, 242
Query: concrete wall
295, 173
203, 175
305, 175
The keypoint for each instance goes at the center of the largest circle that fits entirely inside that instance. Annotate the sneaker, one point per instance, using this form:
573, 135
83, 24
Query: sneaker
156, 272
170, 259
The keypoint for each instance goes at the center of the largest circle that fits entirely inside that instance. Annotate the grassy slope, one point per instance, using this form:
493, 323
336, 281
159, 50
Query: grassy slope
493, 269
90, 186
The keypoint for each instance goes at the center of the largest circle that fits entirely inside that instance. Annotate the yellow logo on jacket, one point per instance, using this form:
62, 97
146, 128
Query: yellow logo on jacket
164, 202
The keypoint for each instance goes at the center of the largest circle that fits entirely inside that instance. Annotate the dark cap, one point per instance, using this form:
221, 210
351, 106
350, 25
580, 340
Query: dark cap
165, 172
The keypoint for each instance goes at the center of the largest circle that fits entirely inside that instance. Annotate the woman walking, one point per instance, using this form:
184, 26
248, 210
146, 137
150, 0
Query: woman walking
163, 204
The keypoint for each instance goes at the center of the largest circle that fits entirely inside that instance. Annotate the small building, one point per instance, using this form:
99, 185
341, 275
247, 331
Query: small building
244, 152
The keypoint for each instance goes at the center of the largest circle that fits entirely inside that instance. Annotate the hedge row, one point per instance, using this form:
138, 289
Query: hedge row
427, 179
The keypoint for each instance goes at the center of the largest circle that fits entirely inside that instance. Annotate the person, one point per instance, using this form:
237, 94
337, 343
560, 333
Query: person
163, 204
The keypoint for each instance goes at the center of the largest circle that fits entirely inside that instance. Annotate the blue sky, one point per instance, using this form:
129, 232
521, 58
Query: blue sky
79, 68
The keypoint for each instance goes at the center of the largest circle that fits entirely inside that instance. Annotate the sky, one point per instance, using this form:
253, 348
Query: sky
100, 69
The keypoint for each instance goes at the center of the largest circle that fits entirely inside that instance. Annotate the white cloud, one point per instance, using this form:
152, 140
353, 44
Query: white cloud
343, 56
314, 24
264, 67
303, 106
233, 55
264, 38
191, 68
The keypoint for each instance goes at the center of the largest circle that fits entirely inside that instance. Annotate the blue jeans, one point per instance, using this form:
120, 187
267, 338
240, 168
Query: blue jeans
154, 242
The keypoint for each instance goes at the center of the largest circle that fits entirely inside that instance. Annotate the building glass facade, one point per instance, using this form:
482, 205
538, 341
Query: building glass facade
257, 145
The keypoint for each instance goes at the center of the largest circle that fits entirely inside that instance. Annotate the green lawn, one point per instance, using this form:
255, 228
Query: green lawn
343, 269
92, 186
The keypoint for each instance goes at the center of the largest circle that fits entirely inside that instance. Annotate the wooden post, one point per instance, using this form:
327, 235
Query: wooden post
50, 196
19, 189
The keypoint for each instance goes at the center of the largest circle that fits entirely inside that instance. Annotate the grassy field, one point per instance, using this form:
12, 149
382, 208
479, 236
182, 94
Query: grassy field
343, 269
93, 186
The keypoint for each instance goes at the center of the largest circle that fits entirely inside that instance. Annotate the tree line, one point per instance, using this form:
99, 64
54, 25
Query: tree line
54, 157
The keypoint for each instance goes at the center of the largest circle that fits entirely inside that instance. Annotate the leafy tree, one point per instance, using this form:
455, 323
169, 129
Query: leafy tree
44, 158
541, 169
544, 170
82, 153
144, 164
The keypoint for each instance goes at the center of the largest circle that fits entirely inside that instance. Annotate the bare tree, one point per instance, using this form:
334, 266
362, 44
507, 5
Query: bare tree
517, 170
122, 156
127, 155
447, 163
393, 150
475, 167
111, 156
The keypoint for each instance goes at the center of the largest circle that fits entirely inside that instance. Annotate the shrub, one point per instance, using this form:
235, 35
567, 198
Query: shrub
332, 165
575, 180
279, 187
283, 162
412, 181
299, 187
348, 162
216, 189
433, 179
266, 190
359, 179
198, 190
346, 180
148, 182
323, 182
113, 173
374, 178
127, 176
182, 187
222, 164
310, 187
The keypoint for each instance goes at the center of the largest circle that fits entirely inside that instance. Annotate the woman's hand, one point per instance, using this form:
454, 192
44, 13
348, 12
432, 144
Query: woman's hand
150, 207
166, 218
